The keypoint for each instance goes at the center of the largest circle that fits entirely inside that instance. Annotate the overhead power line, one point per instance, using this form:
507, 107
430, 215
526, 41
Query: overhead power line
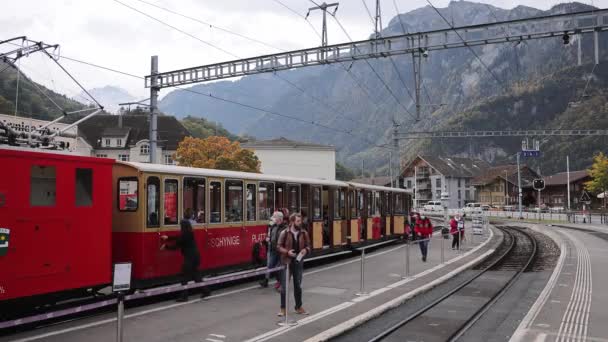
213, 26
316, 99
500, 83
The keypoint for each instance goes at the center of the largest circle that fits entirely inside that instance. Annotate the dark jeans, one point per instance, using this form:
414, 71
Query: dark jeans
456, 240
273, 261
190, 272
424, 247
295, 271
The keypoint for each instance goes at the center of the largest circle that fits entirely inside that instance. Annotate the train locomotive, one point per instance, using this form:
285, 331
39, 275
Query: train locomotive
65, 219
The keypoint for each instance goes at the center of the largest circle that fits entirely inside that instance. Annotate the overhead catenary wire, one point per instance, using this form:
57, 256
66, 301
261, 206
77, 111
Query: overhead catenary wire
212, 25
500, 83
375, 72
230, 53
342, 65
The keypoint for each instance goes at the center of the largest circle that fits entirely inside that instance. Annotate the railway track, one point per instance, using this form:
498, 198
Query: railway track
451, 315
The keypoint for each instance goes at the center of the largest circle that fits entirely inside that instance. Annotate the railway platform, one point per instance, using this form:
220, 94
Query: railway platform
572, 306
248, 313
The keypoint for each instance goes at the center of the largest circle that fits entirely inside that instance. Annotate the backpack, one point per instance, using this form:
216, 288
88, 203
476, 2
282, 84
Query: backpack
275, 232
259, 253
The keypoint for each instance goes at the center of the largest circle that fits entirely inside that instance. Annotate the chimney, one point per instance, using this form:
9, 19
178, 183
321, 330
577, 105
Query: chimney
120, 120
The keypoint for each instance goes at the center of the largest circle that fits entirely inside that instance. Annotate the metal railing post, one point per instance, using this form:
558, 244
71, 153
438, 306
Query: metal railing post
120, 316
407, 260
362, 287
286, 322
442, 244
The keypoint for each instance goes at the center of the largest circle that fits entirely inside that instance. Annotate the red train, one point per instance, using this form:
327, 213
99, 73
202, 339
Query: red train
65, 219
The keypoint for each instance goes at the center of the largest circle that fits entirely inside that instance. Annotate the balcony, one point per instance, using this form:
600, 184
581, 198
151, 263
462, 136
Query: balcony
423, 185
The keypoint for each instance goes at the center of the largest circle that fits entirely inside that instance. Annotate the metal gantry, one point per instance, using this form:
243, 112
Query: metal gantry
418, 42
507, 133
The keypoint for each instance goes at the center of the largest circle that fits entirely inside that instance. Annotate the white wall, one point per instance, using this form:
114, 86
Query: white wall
298, 163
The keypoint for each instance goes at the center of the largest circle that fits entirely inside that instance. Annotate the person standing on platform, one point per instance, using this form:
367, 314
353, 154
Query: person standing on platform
187, 245
294, 245
272, 238
424, 231
454, 232
460, 220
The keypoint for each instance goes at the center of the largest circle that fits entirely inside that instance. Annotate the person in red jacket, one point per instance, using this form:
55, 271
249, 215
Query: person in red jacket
455, 233
424, 231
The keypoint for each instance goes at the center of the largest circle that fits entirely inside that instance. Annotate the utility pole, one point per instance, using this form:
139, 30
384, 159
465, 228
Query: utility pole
568, 179
154, 89
378, 20
323, 7
416, 63
519, 186
396, 149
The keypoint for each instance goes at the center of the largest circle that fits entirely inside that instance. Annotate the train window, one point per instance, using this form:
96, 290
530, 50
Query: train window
127, 194
398, 204
234, 201
194, 198
337, 204
360, 200
342, 204
84, 187
317, 203
304, 202
43, 186
352, 204
153, 201
280, 197
377, 204
215, 202
170, 203
387, 203
251, 202
370, 204
266, 201
293, 198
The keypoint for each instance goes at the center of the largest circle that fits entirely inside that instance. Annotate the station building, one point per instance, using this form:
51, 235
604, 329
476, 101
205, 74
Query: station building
429, 176
286, 157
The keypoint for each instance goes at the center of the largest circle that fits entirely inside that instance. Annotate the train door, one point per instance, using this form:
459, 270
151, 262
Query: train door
338, 217
164, 217
305, 207
327, 201
317, 231
377, 217
388, 212
399, 213
353, 222
362, 214
235, 240
369, 207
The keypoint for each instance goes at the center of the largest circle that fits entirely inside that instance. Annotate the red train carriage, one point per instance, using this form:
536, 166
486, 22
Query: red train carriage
231, 213
55, 211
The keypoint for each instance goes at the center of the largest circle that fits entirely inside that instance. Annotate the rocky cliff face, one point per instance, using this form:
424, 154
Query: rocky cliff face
537, 81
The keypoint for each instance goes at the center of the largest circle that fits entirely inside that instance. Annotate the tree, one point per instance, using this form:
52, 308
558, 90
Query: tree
343, 173
599, 175
216, 153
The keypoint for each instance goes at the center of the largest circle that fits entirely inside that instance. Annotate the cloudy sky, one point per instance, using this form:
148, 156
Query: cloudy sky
108, 33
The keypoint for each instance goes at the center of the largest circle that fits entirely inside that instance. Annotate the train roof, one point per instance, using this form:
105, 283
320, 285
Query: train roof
193, 171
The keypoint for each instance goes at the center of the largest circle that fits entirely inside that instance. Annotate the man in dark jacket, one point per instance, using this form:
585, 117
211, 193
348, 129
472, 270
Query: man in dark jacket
294, 245
187, 245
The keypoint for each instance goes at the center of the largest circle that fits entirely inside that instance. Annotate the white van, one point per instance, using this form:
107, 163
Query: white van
433, 206
472, 207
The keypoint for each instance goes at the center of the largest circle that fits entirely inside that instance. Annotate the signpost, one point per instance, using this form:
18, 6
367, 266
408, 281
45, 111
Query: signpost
121, 281
538, 185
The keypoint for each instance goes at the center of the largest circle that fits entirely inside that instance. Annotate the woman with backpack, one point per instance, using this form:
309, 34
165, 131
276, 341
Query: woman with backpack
275, 227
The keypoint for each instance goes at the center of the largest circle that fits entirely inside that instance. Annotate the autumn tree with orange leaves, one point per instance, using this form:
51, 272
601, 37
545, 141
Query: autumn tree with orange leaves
216, 153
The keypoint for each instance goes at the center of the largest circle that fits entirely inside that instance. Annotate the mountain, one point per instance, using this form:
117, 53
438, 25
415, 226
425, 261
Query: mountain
110, 97
32, 100
532, 85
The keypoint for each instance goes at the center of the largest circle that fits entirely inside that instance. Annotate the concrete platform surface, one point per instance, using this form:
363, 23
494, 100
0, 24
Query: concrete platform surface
572, 307
248, 312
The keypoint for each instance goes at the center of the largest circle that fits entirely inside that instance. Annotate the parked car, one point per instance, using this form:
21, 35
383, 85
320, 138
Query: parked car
471, 207
508, 208
433, 206
485, 207
556, 209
